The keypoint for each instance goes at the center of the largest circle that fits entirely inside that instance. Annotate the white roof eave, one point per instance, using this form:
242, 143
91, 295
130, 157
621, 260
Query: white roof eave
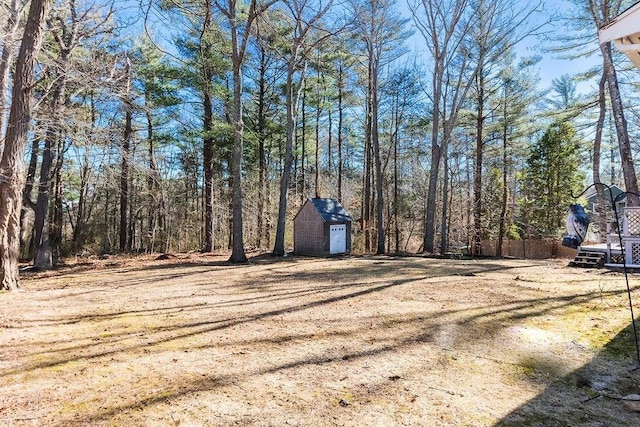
624, 32
627, 23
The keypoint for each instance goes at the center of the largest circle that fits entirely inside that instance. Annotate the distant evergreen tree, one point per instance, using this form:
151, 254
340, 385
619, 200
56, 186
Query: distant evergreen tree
551, 174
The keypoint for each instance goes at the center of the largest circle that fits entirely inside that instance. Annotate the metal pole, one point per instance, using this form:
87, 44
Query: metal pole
614, 202
626, 273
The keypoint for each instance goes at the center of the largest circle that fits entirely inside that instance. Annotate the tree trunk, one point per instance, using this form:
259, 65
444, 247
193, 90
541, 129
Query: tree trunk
477, 171
626, 157
444, 244
396, 176
7, 59
430, 230
43, 257
340, 124
207, 159
78, 231
366, 185
375, 141
316, 177
230, 209
303, 154
278, 249
330, 141
597, 144
27, 203
57, 217
443, 29
505, 169
12, 163
292, 100
133, 212
237, 254
602, 14
154, 209
436, 154
262, 135
124, 162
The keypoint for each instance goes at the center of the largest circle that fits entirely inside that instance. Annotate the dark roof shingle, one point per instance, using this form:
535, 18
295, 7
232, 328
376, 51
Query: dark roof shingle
331, 210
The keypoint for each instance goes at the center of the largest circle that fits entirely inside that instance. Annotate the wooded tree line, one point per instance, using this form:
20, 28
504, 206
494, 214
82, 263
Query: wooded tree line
171, 126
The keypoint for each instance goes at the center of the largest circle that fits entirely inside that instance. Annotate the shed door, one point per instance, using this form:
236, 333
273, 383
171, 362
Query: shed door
337, 239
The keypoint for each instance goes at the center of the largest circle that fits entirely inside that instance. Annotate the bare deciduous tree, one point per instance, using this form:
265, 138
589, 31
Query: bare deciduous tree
240, 32
381, 30
444, 25
305, 19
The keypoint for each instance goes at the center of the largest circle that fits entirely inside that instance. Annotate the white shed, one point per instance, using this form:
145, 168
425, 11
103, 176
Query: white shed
322, 227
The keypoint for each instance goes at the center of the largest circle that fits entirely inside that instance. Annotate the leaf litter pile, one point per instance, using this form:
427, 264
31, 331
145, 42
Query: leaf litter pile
355, 341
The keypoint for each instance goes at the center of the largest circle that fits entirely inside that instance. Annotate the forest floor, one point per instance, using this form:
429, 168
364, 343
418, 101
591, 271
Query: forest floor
354, 341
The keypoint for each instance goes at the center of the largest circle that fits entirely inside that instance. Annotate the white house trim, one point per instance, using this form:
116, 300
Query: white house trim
624, 32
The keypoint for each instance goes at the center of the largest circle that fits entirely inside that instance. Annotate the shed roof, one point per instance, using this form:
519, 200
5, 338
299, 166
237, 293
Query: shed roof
610, 195
331, 210
624, 31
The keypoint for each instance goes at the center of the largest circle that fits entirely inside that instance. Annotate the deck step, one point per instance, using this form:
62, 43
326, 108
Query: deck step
587, 259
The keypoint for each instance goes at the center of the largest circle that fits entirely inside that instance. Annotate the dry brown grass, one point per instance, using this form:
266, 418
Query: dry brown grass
360, 341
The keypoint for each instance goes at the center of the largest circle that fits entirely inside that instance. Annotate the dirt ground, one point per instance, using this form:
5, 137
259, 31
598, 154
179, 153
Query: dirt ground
359, 341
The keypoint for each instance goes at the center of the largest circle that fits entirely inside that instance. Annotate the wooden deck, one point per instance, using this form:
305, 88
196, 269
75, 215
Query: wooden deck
602, 247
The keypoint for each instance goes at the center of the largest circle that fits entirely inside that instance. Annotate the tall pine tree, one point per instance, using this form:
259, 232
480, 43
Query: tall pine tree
551, 175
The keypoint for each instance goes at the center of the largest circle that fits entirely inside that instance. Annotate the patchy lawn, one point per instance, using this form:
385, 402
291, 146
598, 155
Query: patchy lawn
359, 341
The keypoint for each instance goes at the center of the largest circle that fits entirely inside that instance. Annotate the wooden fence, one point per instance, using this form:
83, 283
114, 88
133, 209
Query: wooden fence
529, 249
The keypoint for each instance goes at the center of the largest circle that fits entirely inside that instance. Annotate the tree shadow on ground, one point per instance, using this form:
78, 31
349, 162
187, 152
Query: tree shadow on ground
590, 396
158, 324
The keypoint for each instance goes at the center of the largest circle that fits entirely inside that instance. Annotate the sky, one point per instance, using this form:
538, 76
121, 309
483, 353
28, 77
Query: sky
551, 66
